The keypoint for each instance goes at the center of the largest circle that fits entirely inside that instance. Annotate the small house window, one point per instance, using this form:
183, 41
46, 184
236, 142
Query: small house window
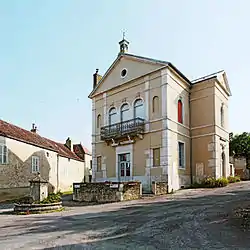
156, 157
155, 104
3, 154
98, 121
180, 111
35, 164
181, 150
99, 163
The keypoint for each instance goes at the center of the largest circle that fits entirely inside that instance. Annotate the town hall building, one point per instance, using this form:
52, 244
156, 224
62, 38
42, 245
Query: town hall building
151, 123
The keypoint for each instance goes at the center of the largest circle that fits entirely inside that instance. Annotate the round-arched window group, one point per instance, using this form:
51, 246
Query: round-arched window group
126, 113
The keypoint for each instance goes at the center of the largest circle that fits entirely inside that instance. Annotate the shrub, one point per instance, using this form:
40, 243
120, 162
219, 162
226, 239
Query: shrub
208, 182
52, 198
233, 179
221, 182
211, 182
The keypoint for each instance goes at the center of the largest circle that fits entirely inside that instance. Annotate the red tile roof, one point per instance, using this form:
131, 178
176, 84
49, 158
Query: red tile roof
86, 150
20, 134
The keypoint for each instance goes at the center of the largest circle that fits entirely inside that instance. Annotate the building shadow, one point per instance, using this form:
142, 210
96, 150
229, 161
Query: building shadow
200, 222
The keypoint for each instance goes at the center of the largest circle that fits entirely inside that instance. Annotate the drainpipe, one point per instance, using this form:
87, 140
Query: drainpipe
190, 134
57, 171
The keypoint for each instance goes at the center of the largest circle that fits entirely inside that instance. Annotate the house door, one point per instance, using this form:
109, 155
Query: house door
124, 167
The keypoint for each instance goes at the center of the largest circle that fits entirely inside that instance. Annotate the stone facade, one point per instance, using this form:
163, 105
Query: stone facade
186, 132
60, 172
106, 191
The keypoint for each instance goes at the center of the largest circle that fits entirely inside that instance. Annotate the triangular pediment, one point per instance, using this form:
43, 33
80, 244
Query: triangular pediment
222, 78
125, 68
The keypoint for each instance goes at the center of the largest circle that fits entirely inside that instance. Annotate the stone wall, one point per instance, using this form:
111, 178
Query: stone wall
12, 193
102, 192
159, 188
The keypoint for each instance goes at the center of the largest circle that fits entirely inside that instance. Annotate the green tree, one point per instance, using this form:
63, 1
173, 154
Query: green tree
239, 146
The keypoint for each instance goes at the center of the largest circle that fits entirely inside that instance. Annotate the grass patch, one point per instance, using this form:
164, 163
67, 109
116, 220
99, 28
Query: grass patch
67, 192
38, 212
233, 179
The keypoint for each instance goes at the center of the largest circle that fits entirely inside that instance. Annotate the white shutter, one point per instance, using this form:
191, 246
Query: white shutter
1, 154
5, 154
37, 164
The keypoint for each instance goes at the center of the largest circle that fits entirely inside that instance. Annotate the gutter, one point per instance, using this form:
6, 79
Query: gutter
57, 175
190, 140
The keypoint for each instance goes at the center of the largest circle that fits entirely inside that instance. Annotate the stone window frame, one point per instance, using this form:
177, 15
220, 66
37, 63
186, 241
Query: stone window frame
184, 155
35, 164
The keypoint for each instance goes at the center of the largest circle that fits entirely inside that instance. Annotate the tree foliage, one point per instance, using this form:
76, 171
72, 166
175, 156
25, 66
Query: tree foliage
239, 145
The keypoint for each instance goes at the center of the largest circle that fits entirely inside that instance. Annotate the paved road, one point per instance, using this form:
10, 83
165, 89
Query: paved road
194, 219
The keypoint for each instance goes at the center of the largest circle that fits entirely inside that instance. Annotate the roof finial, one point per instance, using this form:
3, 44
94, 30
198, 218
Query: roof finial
123, 43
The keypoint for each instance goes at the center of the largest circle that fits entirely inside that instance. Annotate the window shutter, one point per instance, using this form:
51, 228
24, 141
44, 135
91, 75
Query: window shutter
1, 154
37, 164
182, 155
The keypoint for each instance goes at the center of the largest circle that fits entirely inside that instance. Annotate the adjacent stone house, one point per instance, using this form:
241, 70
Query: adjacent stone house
25, 153
151, 123
240, 167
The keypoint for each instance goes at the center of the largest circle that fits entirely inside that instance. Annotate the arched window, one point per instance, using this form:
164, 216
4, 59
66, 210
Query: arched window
112, 116
180, 111
139, 109
222, 116
98, 122
155, 104
125, 112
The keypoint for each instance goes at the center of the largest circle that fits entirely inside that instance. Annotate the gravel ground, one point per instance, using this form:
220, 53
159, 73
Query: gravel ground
189, 219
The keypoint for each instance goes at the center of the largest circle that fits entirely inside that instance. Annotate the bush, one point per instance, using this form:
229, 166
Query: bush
211, 182
52, 198
221, 182
233, 179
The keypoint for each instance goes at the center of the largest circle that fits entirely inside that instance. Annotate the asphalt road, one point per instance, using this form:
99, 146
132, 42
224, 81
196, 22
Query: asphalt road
189, 219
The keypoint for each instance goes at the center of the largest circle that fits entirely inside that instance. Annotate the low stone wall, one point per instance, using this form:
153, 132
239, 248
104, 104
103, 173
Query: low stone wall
18, 208
159, 188
12, 193
103, 192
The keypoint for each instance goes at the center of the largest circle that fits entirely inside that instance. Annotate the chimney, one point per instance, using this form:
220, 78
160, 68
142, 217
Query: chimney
96, 78
68, 144
34, 128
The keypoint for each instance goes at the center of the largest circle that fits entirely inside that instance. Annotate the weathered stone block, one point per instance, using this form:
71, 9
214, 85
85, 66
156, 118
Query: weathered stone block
159, 188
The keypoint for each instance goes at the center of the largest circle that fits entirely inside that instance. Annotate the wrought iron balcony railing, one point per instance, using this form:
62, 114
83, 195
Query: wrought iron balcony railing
127, 128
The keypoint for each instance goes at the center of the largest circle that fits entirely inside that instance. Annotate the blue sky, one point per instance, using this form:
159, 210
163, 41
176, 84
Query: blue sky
50, 49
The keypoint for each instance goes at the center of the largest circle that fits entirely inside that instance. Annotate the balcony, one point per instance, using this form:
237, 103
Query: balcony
124, 129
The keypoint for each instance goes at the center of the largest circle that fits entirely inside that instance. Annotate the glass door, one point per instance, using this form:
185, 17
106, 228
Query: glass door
124, 167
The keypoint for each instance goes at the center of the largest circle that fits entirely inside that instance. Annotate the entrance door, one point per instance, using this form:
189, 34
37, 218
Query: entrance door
124, 167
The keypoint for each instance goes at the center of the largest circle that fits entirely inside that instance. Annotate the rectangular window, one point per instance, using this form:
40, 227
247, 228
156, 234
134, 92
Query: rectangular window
35, 163
156, 157
99, 163
3, 154
181, 149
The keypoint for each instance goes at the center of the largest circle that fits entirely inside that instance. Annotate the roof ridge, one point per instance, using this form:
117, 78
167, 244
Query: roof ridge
208, 76
18, 133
